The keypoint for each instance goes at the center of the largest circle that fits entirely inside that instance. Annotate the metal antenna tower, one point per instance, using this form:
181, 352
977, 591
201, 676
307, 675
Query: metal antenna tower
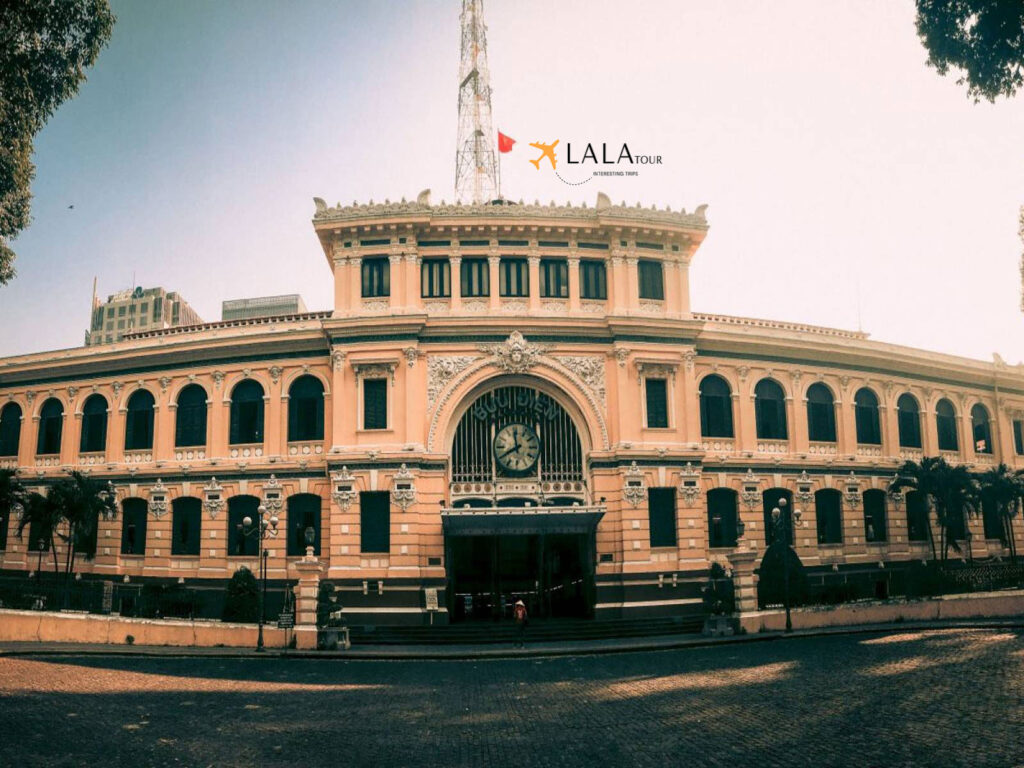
476, 168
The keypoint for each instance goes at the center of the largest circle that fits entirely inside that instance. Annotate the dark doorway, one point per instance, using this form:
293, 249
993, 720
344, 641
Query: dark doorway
552, 573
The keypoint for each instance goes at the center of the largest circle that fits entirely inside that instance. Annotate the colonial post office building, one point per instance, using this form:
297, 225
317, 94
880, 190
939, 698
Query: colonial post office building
504, 401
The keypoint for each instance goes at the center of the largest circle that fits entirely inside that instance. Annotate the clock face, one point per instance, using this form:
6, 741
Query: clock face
516, 448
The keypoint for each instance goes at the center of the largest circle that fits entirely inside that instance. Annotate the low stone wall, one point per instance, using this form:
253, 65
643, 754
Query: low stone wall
980, 605
45, 627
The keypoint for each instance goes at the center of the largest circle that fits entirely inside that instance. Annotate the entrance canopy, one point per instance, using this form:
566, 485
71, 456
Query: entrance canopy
520, 521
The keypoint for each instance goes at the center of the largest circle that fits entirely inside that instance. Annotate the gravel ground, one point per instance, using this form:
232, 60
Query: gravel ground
915, 698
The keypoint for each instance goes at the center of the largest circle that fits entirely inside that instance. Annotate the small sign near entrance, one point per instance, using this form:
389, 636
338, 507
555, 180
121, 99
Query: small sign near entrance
286, 621
431, 594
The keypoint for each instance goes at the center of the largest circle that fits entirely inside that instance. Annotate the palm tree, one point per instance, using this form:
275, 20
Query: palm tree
12, 495
1004, 488
952, 492
41, 518
79, 501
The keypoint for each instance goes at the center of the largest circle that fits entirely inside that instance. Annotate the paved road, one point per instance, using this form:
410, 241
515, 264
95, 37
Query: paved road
917, 698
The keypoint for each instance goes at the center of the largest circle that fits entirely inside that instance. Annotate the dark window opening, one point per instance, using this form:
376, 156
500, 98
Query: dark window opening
869, 430
715, 407
657, 403
917, 516
875, 524
10, 429
909, 418
821, 414
593, 280
376, 277
306, 409
773, 498
133, 526
651, 281
982, 429
190, 419
94, 425
991, 518
246, 413
661, 508
186, 522
435, 279
554, 278
945, 424
241, 540
138, 431
375, 521
475, 278
723, 515
1018, 437
375, 404
51, 424
828, 511
513, 278
770, 410
304, 523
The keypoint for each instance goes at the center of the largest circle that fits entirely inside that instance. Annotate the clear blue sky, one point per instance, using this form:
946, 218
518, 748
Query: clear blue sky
830, 155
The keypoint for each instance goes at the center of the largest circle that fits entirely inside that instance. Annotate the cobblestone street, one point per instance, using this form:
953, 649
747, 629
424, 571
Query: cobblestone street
918, 698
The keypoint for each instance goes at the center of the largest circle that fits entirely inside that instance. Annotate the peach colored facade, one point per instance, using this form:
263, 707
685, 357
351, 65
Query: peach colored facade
438, 354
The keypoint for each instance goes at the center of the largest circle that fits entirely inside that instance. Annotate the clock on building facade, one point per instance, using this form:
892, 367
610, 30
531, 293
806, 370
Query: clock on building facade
516, 449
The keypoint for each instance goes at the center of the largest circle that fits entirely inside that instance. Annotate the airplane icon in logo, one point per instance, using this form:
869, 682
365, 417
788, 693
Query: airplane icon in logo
546, 150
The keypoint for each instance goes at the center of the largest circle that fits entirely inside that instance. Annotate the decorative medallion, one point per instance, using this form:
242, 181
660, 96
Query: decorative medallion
635, 489
516, 354
403, 488
213, 497
158, 499
343, 488
689, 483
411, 355
273, 495
275, 373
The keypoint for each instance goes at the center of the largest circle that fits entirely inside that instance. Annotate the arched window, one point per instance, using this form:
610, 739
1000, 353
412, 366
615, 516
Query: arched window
875, 524
981, 428
945, 426
715, 407
133, 526
828, 512
247, 413
303, 515
306, 409
770, 410
138, 429
94, 425
51, 424
190, 421
770, 499
186, 522
821, 414
917, 516
909, 417
239, 508
723, 515
865, 409
10, 429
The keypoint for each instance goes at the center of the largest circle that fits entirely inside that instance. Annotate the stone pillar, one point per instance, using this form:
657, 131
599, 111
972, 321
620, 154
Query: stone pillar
355, 281
309, 569
533, 296
574, 282
396, 292
413, 297
683, 307
342, 291
743, 579
632, 302
494, 282
455, 260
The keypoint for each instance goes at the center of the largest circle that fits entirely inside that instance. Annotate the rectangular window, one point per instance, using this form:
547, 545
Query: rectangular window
131, 309
435, 279
375, 404
475, 278
158, 308
554, 278
375, 521
652, 286
593, 279
121, 310
120, 325
110, 311
144, 308
661, 507
917, 517
1018, 437
657, 403
513, 278
376, 278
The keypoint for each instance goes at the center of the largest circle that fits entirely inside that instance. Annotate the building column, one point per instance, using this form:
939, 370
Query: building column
115, 432
455, 260
342, 290
533, 297
929, 435
632, 285
796, 428
743, 579
355, 282
493, 278
967, 452
846, 436
683, 307
28, 436
413, 297
309, 569
888, 419
396, 292
617, 283
574, 282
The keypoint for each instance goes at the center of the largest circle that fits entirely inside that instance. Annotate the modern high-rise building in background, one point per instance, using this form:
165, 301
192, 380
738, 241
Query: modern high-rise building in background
262, 306
137, 309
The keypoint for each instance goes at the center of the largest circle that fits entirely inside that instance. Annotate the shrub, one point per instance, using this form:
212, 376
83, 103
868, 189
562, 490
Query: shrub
242, 597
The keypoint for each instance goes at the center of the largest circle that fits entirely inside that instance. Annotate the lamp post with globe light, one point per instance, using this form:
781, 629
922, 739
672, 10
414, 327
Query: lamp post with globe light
262, 529
781, 531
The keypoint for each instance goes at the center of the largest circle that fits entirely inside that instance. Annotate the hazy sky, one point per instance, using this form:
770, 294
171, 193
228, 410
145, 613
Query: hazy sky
834, 162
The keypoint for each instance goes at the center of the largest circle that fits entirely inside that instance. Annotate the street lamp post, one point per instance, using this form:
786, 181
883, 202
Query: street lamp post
780, 532
263, 529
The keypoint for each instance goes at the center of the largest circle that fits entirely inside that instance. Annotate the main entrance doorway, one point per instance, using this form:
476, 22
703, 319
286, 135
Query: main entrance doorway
542, 556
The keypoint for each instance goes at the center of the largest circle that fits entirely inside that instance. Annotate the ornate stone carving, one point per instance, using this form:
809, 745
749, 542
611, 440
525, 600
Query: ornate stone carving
743, 371
851, 492
689, 358
441, 369
751, 493
622, 355
72, 391
590, 370
165, 382
635, 489
385, 370
376, 305
273, 495
666, 370
158, 499
338, 359
117, 386
343, 488
411, 355
218, 378
275, 373
403, 488
516, 354
213, 501
30, 396
689, 483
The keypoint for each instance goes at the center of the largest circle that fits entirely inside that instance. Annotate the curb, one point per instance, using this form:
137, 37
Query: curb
481, 652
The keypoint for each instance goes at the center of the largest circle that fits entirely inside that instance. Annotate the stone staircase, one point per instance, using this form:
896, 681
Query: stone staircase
540, 631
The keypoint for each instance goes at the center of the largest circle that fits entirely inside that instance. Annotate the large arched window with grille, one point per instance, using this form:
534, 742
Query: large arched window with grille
304, 523
723, 517
829, 516
94, 425
945, 426
821, 414
715, 407
875, 523
186, 524
909, 420
10, 429
306, 409
241, 543
133, 526
190, 420
770, 410
246, 413
138, 429
51, 425
982, 428
865, 409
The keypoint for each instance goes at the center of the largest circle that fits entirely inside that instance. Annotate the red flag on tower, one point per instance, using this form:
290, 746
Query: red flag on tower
505, 142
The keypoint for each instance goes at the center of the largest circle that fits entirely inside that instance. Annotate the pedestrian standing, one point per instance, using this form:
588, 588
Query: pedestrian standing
519, 614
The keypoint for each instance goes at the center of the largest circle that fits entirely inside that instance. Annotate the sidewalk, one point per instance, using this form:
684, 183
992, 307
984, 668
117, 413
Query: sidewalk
464, 652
